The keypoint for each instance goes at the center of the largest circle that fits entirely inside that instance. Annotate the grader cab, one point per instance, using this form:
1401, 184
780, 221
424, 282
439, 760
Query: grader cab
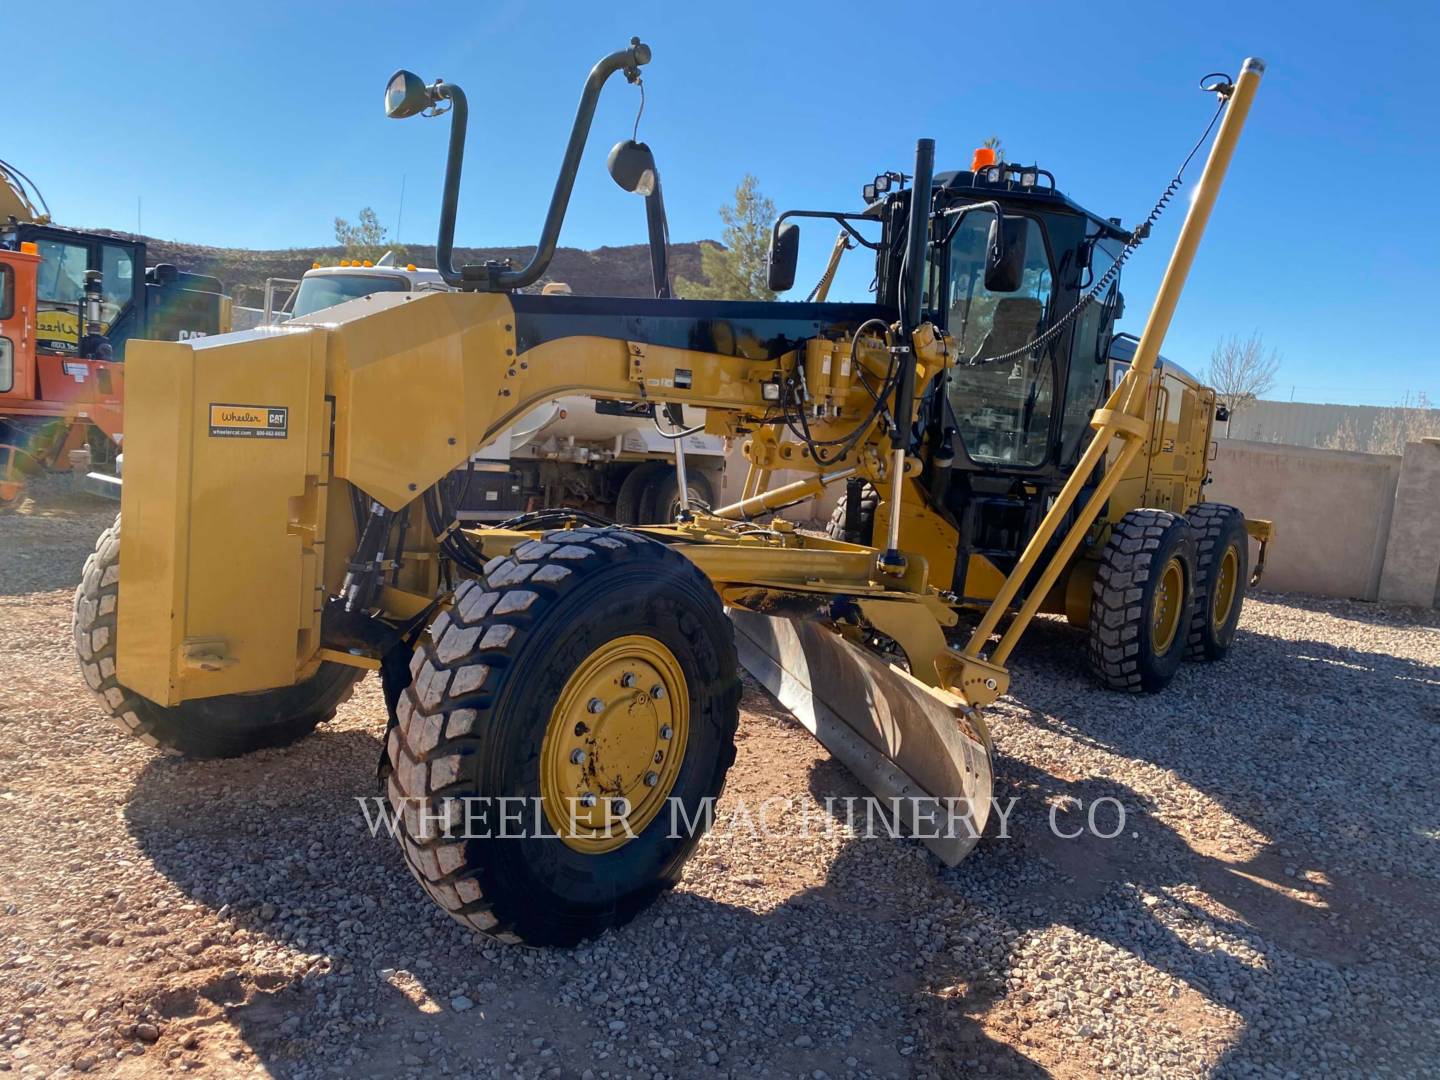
564, 692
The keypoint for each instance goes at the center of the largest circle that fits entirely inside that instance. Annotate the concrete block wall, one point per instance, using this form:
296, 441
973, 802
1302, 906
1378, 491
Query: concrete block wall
1331, 509
1412, 554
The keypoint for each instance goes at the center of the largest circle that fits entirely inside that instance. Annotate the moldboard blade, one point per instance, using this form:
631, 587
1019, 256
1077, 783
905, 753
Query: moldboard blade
909, 743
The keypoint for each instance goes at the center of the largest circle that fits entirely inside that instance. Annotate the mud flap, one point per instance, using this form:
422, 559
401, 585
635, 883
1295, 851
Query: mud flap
912, 745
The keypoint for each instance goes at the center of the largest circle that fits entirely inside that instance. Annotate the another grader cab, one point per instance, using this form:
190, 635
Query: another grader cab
564, 692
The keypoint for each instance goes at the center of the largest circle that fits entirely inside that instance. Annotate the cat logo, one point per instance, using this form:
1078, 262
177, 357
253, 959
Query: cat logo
249, 421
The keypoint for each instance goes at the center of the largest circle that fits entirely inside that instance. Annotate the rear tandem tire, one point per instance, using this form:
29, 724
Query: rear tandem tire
1141, 601
1222, 570
217, 727
491, 714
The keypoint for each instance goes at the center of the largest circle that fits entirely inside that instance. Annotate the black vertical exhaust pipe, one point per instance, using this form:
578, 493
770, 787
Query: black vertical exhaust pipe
632, 166
657, 231
917, 244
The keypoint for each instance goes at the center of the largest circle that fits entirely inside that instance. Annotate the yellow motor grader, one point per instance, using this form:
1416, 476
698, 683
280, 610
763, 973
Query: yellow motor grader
563, 692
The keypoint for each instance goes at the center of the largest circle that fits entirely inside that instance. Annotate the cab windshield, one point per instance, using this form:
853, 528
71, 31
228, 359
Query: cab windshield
1002, 409
327, 290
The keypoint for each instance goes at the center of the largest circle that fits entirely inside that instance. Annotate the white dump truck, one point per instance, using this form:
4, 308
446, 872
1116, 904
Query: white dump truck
599, 456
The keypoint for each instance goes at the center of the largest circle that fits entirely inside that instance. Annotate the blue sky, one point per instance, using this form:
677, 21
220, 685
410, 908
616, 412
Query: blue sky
257, 127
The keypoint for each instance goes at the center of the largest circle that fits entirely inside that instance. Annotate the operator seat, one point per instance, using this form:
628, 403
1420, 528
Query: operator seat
1015, 324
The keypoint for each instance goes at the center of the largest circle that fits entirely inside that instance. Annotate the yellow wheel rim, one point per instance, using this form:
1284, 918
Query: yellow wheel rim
1226, 578
614, 744
1169, 599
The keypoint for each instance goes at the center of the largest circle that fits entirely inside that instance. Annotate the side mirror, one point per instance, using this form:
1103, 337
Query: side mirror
1005, 254
632, 166
782, 258
406, 95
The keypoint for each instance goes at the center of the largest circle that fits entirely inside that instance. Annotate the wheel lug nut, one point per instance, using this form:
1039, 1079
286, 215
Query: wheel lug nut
659, 756
666, 732
627, 680
587, 800
595, 705
577, 757
651, 779
658, 693
620, 807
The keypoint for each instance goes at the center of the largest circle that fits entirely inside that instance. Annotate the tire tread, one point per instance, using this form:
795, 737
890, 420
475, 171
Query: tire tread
447, 713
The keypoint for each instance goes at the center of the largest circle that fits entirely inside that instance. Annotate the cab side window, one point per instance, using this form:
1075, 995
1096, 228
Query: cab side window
117, 283
1086, 389
62, 272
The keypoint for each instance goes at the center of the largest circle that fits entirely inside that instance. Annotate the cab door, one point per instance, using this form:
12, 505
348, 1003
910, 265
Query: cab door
17, 330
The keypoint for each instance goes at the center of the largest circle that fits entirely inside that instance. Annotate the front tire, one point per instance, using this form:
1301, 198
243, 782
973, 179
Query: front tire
538, 686
1141, 601
217, 727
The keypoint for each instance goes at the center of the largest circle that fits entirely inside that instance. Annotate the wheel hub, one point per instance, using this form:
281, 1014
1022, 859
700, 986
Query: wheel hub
1226, 576
1169, 598
614, 744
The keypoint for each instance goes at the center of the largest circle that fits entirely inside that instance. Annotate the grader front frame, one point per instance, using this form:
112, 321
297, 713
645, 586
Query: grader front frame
288, 527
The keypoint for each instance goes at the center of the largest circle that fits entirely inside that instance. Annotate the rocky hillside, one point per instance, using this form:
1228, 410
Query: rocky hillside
606, 271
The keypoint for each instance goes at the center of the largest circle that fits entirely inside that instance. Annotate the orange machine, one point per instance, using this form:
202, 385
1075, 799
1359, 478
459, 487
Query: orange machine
49, 399
69, 303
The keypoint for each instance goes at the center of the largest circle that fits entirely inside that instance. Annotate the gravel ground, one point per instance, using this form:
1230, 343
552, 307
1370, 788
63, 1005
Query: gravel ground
1269, 907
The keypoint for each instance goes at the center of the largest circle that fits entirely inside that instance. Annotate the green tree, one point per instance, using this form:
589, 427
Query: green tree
993, 142
366, 238
736, 271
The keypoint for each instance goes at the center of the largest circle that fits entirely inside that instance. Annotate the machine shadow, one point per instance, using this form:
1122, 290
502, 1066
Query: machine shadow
1278, 859
1216, 926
